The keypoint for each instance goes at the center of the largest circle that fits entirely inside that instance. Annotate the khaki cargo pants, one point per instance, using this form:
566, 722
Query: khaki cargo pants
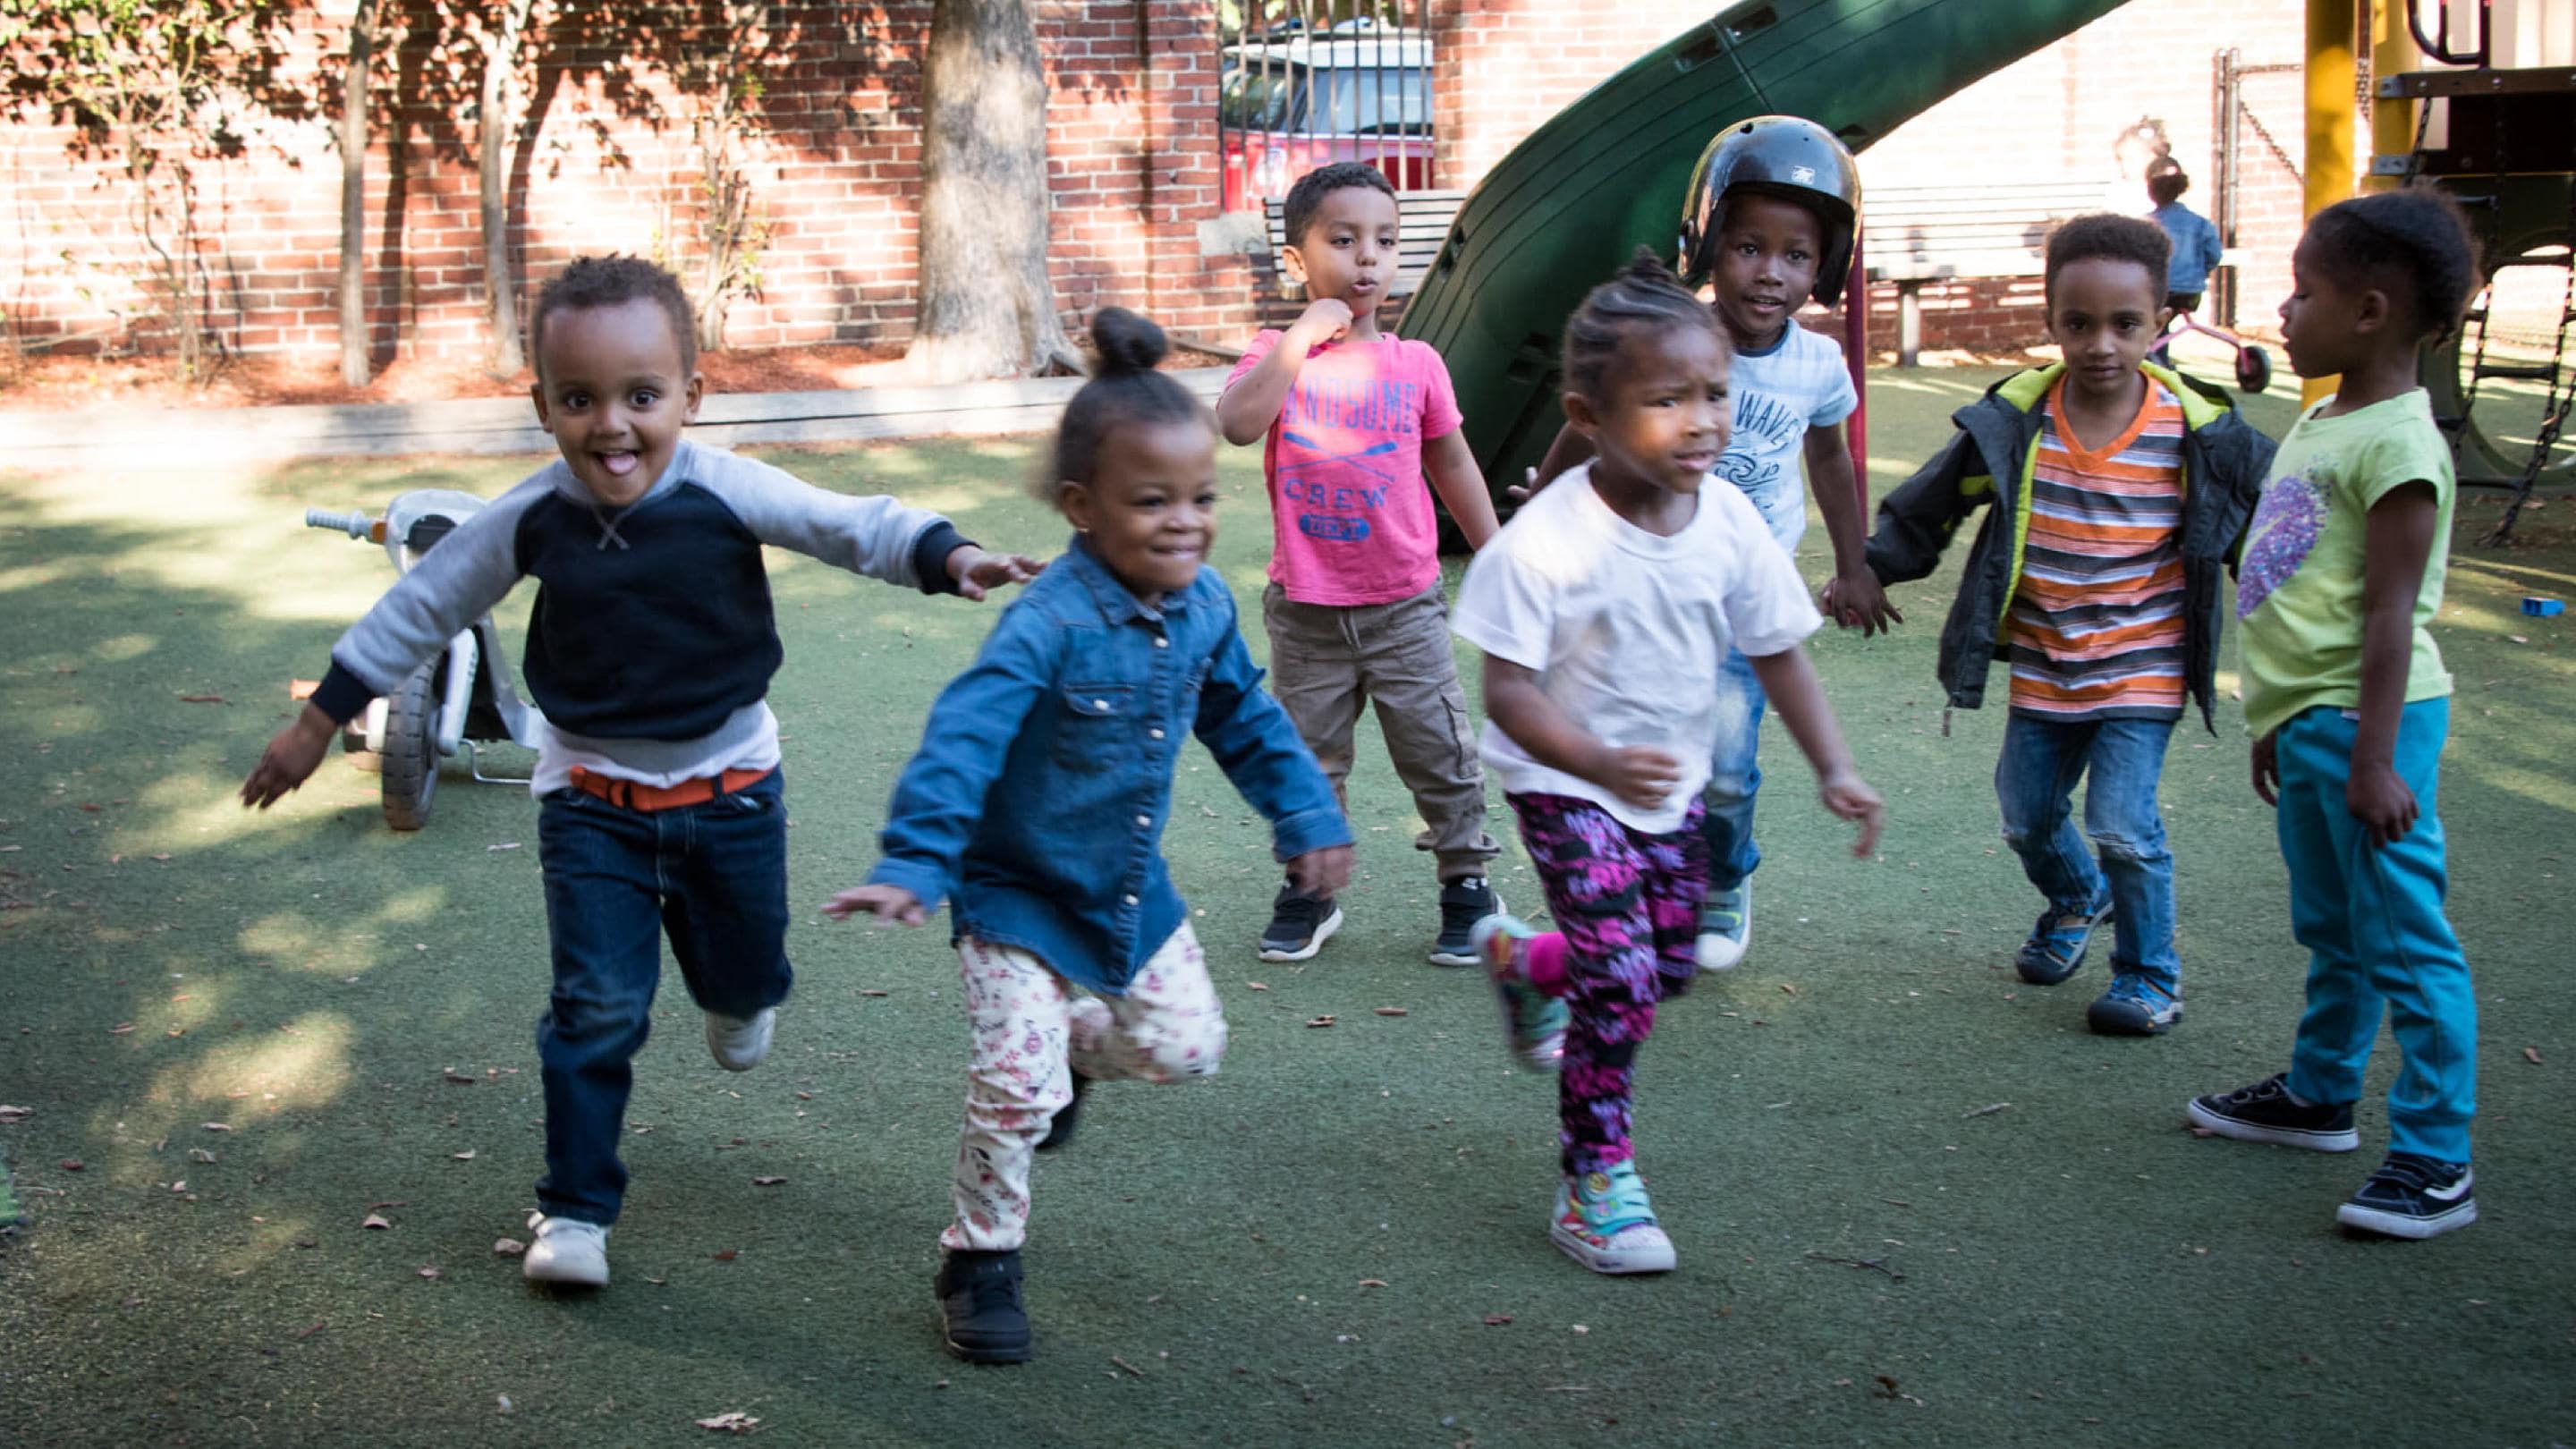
1327, 660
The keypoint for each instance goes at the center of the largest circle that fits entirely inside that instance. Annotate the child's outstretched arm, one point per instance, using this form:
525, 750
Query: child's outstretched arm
2395, 547
1451, 466
1859, 601
1790, 682
1251, 402
1918, 519
875, 534
1257, 746
940, 796
1642, 775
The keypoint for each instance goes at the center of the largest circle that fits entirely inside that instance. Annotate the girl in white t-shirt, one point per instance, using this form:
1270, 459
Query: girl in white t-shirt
1603, 609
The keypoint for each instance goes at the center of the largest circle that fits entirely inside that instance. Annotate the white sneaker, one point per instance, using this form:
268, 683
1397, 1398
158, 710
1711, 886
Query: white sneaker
567, 1251
739, 1045
1725, 928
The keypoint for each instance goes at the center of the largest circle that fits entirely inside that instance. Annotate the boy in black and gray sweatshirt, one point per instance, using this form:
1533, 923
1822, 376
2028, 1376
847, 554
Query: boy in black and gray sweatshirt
650, 651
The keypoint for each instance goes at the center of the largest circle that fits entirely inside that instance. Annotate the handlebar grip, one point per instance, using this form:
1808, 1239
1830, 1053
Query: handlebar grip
352, 524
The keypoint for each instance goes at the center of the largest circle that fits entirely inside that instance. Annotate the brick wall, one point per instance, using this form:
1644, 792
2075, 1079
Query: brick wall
606, 162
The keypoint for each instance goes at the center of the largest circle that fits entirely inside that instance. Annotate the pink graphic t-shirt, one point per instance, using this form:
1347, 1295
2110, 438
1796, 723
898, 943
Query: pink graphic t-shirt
1344, 463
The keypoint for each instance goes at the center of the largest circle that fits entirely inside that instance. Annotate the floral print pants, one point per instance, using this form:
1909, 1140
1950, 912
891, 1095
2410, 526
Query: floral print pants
1031, 1029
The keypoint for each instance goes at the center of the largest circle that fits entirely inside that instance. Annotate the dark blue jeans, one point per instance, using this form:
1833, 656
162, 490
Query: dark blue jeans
2121, 761
714, 878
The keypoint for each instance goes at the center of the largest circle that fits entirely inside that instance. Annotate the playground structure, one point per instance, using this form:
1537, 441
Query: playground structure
2493, 119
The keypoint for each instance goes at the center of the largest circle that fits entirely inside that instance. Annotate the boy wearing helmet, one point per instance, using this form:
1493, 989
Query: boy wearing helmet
1773, 208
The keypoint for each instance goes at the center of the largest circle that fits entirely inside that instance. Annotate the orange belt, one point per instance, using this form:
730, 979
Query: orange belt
631, 796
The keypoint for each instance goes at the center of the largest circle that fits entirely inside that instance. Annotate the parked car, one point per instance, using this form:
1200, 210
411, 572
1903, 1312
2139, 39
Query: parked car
1353, 93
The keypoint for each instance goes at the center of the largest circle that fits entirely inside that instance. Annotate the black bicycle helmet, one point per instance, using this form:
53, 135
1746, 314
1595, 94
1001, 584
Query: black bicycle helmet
1781, 156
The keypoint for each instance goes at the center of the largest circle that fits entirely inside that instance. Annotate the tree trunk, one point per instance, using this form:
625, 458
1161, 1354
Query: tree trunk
353, 195
987, 306
493, 126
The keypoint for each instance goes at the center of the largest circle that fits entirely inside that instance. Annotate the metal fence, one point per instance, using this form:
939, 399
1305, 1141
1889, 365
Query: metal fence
1310, 82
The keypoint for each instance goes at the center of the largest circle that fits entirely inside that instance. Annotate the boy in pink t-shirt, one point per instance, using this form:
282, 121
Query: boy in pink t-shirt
1355, 422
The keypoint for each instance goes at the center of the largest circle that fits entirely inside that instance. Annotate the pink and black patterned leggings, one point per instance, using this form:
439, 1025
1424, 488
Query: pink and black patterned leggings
1627, 912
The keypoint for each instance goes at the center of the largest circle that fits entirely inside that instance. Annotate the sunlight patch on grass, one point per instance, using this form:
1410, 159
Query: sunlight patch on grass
304, 1064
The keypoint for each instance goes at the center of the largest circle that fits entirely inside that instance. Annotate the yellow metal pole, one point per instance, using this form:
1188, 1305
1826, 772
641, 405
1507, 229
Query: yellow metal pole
2333, 38
2392, 121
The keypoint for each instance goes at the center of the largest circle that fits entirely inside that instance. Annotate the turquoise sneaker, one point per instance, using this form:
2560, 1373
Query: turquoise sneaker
1533, 1021
1604, 1221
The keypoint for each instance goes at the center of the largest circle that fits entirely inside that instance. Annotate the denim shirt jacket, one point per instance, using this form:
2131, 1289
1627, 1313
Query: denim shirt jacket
1038, 797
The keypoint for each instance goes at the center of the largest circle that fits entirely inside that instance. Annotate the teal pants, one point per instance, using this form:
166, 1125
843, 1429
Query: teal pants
2371, 918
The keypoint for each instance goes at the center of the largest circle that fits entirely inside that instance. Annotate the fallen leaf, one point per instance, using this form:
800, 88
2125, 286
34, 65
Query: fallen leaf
1497, 1320
734, 1422
164, 855
727, 1255
1324, 1020
2529, 1054
199, 1154
504, 845
428, 1272
1790, 987
1393, 1011
767, 1181
180, 1186
216, 1126
1989, 1109
465, 1156
375, 1220
1256, 986
2519, 638
310, 1329
865, 992
1372, 1282
508, 1247
73, 1164
121, 1028
203, 699
9, 1114
459, 1078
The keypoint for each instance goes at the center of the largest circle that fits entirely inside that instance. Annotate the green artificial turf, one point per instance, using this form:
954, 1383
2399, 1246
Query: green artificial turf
1914, 1199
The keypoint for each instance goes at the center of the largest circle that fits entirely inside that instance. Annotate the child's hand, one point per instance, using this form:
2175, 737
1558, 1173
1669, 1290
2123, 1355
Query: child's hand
1319, 873
1324, 320
1520, 492
291, 758
891, 905
1846, 794
2267, 769
977, 571
2379, 799
1856, 600
1639, 774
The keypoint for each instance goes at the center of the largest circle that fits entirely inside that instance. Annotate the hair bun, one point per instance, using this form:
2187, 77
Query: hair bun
1127, 342
1647, 267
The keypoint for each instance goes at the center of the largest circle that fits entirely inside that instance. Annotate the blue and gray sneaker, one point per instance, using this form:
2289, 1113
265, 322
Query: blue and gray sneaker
2055, 949
1533, 1021
1605, 1221
2134, 1006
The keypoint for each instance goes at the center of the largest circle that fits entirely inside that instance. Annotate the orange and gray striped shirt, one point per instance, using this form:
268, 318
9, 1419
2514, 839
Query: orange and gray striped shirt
2096, 626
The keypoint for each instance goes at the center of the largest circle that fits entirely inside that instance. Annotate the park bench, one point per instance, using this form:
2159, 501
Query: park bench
1911, 235
1422, 218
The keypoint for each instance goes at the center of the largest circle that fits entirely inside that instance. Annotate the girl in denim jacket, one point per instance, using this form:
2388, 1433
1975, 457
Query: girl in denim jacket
1036, 804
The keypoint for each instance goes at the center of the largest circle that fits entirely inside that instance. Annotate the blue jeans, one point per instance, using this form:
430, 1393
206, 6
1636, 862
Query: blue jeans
2371, 918
1734, 774
714, 878
2121, 761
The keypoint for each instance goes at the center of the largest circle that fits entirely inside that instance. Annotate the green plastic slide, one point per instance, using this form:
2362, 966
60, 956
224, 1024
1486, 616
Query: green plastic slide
1570, 204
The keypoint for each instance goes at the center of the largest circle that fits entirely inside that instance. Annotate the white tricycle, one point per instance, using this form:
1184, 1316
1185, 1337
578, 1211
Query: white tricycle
462, 699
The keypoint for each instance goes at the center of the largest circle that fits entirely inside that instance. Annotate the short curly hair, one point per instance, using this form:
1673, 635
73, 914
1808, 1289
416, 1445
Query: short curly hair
591, 282
2104, 236
1307, 197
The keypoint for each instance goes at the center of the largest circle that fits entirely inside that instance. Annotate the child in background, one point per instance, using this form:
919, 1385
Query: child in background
1603, 611
1355, 421
1037, 802
2195, 241
2119, 491
1775, 205
2349, 705
650, 652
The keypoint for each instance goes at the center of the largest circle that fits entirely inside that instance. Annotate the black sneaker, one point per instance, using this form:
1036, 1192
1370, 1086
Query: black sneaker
2412, 1197
1060, 1131
2265, 1112
1299, 926
1463, 902
979, 1306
